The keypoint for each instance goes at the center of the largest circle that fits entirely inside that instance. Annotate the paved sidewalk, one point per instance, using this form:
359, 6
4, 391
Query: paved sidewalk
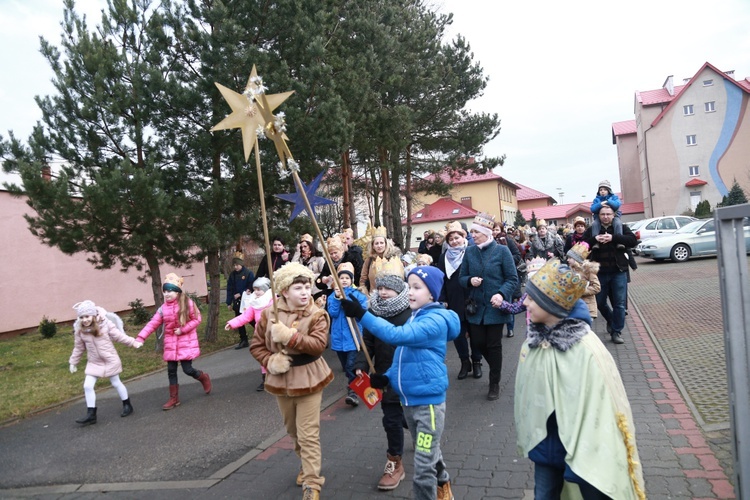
478, 443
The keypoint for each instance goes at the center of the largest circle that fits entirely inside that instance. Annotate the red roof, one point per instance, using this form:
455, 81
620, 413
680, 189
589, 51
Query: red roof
658, 96
525, 193
624, 128
695, 183
631, 208
454, 177
444, 209
567, 211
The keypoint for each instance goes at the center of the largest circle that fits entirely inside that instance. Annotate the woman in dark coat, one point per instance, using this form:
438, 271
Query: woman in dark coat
489, 274
279, 257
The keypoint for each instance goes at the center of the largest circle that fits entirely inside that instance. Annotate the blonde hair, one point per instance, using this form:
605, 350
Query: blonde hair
95, 331
183, 301
389, 246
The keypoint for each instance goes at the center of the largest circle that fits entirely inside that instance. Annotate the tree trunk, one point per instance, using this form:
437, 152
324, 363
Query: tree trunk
408, 197
395, 210
153, 268
214, 276
346, 177
385, 179
375, 198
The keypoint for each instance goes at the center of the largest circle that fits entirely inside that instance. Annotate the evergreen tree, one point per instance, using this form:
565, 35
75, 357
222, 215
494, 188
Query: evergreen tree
519, 220
736, 196
703, 209
532, 222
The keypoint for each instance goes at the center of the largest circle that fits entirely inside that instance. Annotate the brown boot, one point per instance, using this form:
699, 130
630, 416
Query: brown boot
392, 475
444, 492
205, 380
174, 397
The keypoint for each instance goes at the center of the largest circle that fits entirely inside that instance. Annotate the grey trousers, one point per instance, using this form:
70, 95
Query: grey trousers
426, 426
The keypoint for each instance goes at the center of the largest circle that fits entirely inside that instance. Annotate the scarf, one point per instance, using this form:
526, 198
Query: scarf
453, 258
260, 302
485, 244
562, 336
387, 308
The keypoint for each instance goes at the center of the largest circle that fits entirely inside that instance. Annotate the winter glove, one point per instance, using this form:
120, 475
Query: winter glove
282, 333
378, 381
137, 344
278, 363
73, 368
352, 308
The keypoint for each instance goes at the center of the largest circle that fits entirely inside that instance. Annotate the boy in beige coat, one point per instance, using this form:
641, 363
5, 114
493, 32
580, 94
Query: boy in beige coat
291, 350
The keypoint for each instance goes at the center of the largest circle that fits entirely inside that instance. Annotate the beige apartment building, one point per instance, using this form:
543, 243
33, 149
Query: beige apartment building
691, 142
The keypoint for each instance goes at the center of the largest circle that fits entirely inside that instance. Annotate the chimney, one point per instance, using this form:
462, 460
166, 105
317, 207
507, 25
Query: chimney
669, 85
466, 201
730, 73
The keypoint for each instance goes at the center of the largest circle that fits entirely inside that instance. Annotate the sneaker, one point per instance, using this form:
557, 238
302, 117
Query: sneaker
444, 492
310, 494
299, 480
617, 338
510, 333
352, 399
392, 474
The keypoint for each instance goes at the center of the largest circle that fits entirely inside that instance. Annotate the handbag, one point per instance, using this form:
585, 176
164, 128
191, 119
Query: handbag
470, 306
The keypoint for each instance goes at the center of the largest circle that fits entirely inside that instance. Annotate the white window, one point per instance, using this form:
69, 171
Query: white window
691, 140
710, 106
456, 210
693, 170
419, 215
695, 198
687, 109
708, 83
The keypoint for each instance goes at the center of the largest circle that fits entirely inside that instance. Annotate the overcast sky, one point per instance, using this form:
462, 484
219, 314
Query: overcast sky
560, 72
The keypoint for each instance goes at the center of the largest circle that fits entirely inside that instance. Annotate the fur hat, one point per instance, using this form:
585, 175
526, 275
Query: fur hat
454, 227
432, 277
335, 243
307, 238
605, 183
556, 288
263, 283
483, 223
390, 281
579, 252
172, 283
345, 268
85, 308
579, 220
285, 276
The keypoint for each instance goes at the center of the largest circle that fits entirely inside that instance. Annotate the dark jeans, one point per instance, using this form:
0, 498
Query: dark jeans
241, 330
614, 285
462, 345
348, 359
393, 424
487, 339
548, 484
187, 367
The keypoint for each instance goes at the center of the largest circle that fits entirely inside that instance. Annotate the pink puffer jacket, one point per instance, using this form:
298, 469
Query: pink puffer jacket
176, 347
101, 355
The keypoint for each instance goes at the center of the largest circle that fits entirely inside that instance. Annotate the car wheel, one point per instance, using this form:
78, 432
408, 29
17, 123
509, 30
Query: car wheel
680, 253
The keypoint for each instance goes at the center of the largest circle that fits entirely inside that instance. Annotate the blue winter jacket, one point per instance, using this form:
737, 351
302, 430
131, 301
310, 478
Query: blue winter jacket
494, 263
341, 335
418, 373
613, 201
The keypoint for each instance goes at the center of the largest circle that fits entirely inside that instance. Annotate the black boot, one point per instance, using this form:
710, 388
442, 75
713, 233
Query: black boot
89, 419
477, 369
465, 369
494, 392
127, 408
262, 386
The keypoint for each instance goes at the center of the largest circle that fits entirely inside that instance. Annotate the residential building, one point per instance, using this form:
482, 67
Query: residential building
488, 192
531, 198
435, 216
559, 215
624, 136
692, 142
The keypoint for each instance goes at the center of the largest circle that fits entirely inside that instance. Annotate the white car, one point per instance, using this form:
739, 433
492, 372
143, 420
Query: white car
660, 226
693, 240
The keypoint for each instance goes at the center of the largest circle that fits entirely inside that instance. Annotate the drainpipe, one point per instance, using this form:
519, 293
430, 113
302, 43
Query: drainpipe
648, 174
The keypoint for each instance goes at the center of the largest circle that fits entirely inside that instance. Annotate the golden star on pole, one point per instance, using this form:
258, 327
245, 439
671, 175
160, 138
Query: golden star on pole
274, 128
246, 113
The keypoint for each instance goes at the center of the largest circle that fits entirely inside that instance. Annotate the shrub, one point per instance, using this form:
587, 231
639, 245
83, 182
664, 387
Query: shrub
47, 327
140, 313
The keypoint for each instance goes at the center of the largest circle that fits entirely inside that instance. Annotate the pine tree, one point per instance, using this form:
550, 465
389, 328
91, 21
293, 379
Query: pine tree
519, 220
532, 222
736, 196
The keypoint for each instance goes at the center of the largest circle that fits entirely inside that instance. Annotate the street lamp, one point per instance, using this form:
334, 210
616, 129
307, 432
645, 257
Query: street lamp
560, 193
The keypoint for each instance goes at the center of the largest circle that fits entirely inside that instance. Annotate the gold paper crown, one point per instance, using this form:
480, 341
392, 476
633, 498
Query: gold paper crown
334, 243
559, 284
284, 277
581, 250
380, 232
454, 227
345, 266
173, 279
307, 238
540, 223
534, 265
424, 257
484, 220
238, 255
388, 266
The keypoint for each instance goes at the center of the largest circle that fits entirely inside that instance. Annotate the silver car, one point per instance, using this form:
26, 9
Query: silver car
660, 226
695, 239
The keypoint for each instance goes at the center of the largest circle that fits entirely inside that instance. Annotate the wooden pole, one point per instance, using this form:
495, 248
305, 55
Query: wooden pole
265, 228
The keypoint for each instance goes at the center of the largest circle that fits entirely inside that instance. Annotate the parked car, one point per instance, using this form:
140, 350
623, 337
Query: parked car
660, 226
695, 239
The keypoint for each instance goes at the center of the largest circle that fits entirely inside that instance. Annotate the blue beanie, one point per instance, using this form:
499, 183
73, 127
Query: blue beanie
432, 277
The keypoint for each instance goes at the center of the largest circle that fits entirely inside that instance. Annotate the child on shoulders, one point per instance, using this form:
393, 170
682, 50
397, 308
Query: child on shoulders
605, 197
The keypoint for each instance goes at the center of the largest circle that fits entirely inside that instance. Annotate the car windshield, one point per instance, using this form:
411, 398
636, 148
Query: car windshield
637, 224
690, 228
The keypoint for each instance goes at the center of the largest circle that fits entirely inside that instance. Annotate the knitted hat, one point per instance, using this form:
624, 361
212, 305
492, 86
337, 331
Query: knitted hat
238, 259
263, 283
579, 252
483, 223
307, 238
285, 276
390, 281
556, 288
335, 243
85, 308
454, 227
345, 268
432, 277
605, 183
579, 220
172, 283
